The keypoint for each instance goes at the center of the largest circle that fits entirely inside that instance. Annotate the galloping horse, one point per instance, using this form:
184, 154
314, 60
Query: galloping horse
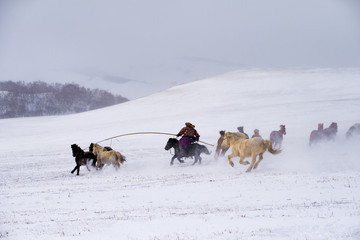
220, 149
353, 130
107, 157
276, 137
316, 135
247, 148
330, 132
194, 150
81, 158
323, 134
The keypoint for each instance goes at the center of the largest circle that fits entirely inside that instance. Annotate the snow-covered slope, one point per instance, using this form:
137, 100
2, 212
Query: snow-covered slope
303, 193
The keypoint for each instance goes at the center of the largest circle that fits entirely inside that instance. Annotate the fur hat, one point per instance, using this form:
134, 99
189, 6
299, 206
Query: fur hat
188, 124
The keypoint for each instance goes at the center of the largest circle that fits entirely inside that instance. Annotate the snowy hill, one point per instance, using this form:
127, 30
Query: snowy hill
303, 193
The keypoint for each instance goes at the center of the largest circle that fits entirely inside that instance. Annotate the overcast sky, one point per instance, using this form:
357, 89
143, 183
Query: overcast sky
151, 40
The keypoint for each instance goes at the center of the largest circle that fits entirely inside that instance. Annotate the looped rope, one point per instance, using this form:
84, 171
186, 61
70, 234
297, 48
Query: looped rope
136, 133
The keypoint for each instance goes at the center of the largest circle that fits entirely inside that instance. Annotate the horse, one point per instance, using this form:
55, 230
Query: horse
194, 150
220, 149
107, 157
276, 137
106, 148
353, 131
82, 158
323, 134
316, 135
247, 148
330, 132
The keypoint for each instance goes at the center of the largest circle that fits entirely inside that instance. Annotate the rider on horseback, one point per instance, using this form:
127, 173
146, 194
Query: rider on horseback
189, 135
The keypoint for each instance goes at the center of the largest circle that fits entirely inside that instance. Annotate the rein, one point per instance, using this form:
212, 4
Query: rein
137, 133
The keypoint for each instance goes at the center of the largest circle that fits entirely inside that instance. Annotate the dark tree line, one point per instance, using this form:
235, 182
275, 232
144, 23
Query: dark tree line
20, 99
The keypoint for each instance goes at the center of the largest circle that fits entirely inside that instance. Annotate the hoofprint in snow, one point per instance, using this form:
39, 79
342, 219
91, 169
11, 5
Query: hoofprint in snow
303, 193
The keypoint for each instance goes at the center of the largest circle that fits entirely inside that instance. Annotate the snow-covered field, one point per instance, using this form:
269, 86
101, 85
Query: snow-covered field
303, 193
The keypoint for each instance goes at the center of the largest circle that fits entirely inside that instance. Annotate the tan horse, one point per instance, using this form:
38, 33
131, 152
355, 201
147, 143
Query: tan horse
107, 157
247, 148
222, 148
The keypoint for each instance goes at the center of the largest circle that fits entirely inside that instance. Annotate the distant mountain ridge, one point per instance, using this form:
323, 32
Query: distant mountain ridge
20, 99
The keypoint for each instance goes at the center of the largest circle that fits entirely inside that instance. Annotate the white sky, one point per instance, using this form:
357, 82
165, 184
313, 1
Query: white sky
159, 40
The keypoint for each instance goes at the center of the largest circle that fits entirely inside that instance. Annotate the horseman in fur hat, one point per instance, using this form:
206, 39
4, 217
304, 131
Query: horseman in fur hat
189, 135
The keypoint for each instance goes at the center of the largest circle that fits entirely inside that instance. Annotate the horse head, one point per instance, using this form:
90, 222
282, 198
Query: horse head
171, 143
334, 126
283, 129
75, 149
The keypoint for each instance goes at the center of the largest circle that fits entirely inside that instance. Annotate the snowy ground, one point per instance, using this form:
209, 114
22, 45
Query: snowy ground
303, 193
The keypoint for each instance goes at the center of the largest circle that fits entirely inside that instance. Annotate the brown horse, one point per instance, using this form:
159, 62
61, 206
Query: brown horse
354, 130
330, 132
322, 134
316, 135
220, 149
247, 148
276, 137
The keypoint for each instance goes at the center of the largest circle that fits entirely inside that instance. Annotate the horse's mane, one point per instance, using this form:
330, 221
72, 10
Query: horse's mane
76, 149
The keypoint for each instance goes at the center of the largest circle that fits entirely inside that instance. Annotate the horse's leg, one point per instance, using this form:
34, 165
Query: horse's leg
98, 163
223, 151
196, 159
241, 161
74, 169
78, 170
253, 160
258, 161
87, 165
229, 159
116, 165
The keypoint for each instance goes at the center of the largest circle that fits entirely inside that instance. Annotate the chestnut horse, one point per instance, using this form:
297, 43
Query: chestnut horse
276, 137
247, 148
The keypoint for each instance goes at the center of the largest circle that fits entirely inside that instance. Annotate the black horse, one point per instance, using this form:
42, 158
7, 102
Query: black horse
82, 158
194, 150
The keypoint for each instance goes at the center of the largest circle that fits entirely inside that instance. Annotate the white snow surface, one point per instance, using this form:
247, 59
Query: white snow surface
302, 193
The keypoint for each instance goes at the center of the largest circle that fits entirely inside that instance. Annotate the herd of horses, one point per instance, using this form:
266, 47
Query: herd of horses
241, 146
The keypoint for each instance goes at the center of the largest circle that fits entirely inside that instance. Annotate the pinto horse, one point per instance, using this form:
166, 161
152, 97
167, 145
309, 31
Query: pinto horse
194, 150
276, 137
248, 148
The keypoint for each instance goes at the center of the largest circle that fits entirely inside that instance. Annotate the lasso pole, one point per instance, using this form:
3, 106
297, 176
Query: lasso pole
136, 133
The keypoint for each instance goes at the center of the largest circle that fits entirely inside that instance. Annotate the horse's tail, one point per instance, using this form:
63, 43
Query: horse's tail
120, 157
269, 147
206, 151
